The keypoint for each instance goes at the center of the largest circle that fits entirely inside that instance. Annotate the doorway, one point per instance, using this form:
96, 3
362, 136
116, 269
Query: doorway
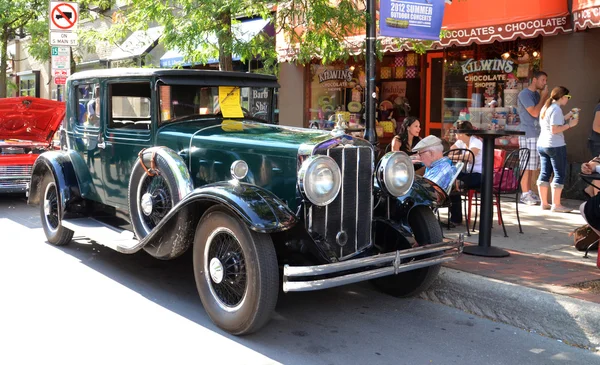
433, 95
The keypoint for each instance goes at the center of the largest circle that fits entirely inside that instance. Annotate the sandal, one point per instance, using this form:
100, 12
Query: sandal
546, 207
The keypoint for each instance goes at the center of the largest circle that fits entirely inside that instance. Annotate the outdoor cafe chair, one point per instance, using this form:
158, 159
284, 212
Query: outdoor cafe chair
467, 158
509, 181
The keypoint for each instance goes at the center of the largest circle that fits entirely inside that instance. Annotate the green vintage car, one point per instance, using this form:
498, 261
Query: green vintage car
166, 160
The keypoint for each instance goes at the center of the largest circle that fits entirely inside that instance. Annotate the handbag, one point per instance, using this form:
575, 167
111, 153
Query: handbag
509, 180
584, 237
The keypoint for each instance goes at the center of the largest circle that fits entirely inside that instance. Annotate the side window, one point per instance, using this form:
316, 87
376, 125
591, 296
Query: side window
85, 100
130, 106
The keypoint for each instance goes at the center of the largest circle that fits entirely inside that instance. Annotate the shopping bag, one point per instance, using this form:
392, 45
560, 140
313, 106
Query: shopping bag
499, 156
508, 182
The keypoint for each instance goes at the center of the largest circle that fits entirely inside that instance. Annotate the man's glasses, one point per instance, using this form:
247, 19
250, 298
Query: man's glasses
420, 153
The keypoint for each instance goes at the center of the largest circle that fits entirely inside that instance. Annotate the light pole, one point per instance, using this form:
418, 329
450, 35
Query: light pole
370, 95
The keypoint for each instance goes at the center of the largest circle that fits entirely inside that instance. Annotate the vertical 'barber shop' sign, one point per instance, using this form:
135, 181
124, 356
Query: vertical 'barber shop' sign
415, 19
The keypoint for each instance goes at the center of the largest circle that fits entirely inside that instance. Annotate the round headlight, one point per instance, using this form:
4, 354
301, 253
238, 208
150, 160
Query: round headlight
320, 179
396, 173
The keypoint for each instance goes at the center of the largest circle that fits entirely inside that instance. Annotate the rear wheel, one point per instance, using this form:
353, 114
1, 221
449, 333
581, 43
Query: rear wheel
426, 230
50, 209
236, 272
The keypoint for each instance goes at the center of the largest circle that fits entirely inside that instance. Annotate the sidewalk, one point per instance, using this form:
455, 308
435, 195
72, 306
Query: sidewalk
545, 285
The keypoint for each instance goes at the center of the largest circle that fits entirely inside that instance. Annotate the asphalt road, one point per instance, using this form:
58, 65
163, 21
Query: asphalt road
86, 304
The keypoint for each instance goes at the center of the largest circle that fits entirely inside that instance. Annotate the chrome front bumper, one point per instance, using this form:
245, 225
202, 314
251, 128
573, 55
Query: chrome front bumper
387, 264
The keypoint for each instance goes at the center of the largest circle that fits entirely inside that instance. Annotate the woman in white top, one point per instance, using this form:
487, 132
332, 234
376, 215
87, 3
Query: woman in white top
473, 179
553, 149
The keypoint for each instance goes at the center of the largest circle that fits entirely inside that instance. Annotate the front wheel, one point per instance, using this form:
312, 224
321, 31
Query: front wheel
50, 214
236, 272
426, 230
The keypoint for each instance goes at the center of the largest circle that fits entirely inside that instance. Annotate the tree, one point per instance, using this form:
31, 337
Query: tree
206, 29
199, 29
17, 18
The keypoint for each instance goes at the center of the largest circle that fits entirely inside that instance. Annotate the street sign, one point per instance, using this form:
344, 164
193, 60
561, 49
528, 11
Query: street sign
63, 16
63, 39
61, 57
60, 80
60, 73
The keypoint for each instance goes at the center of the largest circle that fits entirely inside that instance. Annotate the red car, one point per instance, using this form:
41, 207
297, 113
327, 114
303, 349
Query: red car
27, 126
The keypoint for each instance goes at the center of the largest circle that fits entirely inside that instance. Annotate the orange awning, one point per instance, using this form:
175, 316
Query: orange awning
586, 14
503, 20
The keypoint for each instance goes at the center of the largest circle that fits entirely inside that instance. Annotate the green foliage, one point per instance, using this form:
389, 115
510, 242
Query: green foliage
17, 17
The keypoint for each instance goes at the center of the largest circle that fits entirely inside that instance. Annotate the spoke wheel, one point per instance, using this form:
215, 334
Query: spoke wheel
51, 208
50, 214
154, 199
150, 200
236, 272
225, 267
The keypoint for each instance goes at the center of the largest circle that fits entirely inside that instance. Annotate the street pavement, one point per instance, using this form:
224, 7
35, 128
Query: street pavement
84, 303
538, 286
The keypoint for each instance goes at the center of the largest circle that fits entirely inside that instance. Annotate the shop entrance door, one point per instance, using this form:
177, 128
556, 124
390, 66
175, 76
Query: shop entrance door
434, 93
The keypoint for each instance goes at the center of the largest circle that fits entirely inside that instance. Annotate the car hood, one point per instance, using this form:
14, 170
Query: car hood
255, 136
30, 119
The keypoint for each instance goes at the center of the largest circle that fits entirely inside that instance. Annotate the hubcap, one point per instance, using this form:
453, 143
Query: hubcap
147, 204
154, 201
216, 270
225, 269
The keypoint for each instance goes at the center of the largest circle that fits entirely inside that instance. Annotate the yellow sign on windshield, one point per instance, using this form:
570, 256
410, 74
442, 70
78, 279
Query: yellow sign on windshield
229, 100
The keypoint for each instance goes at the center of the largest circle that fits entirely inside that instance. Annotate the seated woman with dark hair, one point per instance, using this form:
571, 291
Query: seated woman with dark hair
409, 137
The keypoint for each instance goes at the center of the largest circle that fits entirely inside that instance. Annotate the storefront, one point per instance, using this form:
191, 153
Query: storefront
474, 73
486, 61
338, 90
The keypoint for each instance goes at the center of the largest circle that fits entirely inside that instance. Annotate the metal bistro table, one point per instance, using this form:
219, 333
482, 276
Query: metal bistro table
487, 204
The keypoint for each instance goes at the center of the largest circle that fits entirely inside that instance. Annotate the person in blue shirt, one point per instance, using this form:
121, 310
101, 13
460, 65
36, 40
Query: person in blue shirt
438, 168
529, 105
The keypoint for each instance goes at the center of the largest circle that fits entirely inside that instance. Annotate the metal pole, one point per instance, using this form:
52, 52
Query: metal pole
370, 94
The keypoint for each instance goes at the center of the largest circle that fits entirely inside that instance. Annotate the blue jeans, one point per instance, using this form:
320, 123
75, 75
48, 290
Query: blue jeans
553, 159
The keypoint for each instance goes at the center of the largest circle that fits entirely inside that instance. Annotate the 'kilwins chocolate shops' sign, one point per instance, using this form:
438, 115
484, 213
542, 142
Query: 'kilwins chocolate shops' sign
497, 65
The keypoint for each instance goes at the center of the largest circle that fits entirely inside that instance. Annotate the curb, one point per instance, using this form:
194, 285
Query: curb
574, 321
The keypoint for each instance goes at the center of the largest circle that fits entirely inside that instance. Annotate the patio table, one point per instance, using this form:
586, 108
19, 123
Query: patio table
484, 248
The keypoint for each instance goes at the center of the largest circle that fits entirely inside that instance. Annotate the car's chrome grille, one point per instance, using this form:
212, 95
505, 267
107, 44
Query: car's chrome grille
350, 214
13, 183
15, 171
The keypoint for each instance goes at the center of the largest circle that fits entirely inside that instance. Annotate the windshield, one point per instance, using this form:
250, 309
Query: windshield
182, 102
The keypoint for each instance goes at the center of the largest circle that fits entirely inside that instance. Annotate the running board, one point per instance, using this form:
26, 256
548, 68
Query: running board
103, 234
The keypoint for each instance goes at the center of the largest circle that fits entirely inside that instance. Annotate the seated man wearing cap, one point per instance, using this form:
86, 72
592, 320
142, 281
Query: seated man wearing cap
439, 168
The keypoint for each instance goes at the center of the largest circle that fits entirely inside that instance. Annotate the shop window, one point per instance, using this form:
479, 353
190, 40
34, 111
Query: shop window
29, 84
399, 84
336, 89
482, 84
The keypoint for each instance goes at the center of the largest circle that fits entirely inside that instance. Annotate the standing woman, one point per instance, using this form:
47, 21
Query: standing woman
409, 137
553, 149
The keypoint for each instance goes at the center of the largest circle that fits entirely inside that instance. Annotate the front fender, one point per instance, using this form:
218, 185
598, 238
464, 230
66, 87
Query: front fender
60, 166
258, 208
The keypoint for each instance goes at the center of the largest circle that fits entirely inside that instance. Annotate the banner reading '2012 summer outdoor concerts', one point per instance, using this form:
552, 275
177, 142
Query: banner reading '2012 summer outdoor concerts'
416, 19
